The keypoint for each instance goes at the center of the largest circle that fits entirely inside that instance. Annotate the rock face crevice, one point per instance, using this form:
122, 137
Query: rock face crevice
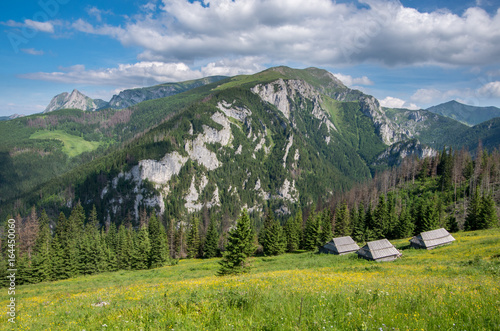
159, 173
283, 94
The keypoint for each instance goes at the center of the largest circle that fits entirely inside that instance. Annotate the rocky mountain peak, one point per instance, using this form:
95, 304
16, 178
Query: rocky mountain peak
75, 100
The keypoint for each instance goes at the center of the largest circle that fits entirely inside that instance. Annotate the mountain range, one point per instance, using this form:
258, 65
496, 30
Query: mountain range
469, 115
126, 98
281, 139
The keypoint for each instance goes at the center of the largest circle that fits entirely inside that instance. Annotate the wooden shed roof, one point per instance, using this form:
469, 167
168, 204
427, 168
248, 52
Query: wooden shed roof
341, 245
379, 249
431, 239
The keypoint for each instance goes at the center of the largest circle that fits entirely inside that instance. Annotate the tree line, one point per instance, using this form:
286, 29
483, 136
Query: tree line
450, 190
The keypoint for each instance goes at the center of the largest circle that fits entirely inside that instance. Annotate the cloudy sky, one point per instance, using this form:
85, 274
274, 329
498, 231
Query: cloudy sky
408, 53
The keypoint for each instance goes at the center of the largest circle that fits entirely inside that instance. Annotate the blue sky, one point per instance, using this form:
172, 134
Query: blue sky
408, 53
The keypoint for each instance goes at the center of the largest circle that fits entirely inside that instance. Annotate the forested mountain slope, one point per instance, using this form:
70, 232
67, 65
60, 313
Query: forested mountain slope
282, 138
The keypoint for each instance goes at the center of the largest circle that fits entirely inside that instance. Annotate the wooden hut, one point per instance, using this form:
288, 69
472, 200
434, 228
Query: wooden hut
432, 239
340, 246
379, 250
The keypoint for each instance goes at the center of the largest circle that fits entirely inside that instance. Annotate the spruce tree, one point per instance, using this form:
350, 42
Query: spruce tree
57, 255
381, 218
271, 236
239, 247
92, 255
142, 248
211, 240
193, 239
370, 233
326, 226
405, 226
293, 232
342, 221
124, 249
487, 217
359, 226
472, 218
41, 258
159, 246
312, 232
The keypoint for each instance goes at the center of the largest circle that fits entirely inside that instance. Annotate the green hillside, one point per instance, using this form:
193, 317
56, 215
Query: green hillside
288, 138
423, 290
469, 115
73, 145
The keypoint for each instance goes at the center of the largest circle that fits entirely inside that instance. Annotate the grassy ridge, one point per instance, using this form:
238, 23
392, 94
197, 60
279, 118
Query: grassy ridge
450, 288
72, 145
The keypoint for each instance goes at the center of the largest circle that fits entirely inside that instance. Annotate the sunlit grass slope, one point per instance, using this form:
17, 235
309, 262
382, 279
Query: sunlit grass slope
456, 287
73, 145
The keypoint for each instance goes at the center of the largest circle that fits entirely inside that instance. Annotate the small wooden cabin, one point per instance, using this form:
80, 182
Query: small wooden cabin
432, 239
379, 250
340, 246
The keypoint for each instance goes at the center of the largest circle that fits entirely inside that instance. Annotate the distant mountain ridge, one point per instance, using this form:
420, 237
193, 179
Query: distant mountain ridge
469, 115
126, 98
74, 100
10, 117
287, 137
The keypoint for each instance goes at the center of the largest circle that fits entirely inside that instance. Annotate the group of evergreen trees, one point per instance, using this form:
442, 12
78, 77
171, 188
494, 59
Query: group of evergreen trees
433, 193
79, 246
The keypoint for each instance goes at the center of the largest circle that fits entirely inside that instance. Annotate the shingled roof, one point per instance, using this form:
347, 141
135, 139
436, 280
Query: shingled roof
340, 246
379, 250
432, 239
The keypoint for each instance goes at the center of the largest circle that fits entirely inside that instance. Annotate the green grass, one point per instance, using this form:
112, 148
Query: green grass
73, 145
455, 287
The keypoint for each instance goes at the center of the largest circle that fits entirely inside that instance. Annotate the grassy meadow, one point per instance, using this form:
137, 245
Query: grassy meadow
455, 287
73, 145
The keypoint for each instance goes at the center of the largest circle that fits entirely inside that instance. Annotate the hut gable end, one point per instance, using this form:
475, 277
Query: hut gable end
432, 239
379, 250
340, 246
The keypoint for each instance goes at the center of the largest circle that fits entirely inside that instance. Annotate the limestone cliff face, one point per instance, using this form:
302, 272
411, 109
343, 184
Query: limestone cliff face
159, 173
288, 94
401, 150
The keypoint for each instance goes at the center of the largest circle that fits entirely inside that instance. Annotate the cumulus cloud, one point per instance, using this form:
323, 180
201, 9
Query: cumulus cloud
348, 80
97, 13
491, 90
36, 25
40, 26
146, 73
319, 32
391, 102
32, 51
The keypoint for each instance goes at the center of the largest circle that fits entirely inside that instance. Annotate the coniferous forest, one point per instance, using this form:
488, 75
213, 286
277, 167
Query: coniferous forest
454, 190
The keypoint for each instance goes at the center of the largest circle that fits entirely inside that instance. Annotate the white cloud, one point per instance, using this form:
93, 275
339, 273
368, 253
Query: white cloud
427, 96
318, 32
40, 26
350, 81
391, 102
491, 90
147, 73
32, 51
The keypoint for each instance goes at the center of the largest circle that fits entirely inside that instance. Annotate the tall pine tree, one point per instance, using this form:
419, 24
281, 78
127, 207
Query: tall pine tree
41, 259
193, 238
212, 240
239, 247
271, 236
159, 246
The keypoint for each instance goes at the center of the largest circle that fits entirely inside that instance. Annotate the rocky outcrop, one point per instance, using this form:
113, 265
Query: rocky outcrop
199, 152
159, 173
238, 113
284, 93
73, 100
288, 191
399, 151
